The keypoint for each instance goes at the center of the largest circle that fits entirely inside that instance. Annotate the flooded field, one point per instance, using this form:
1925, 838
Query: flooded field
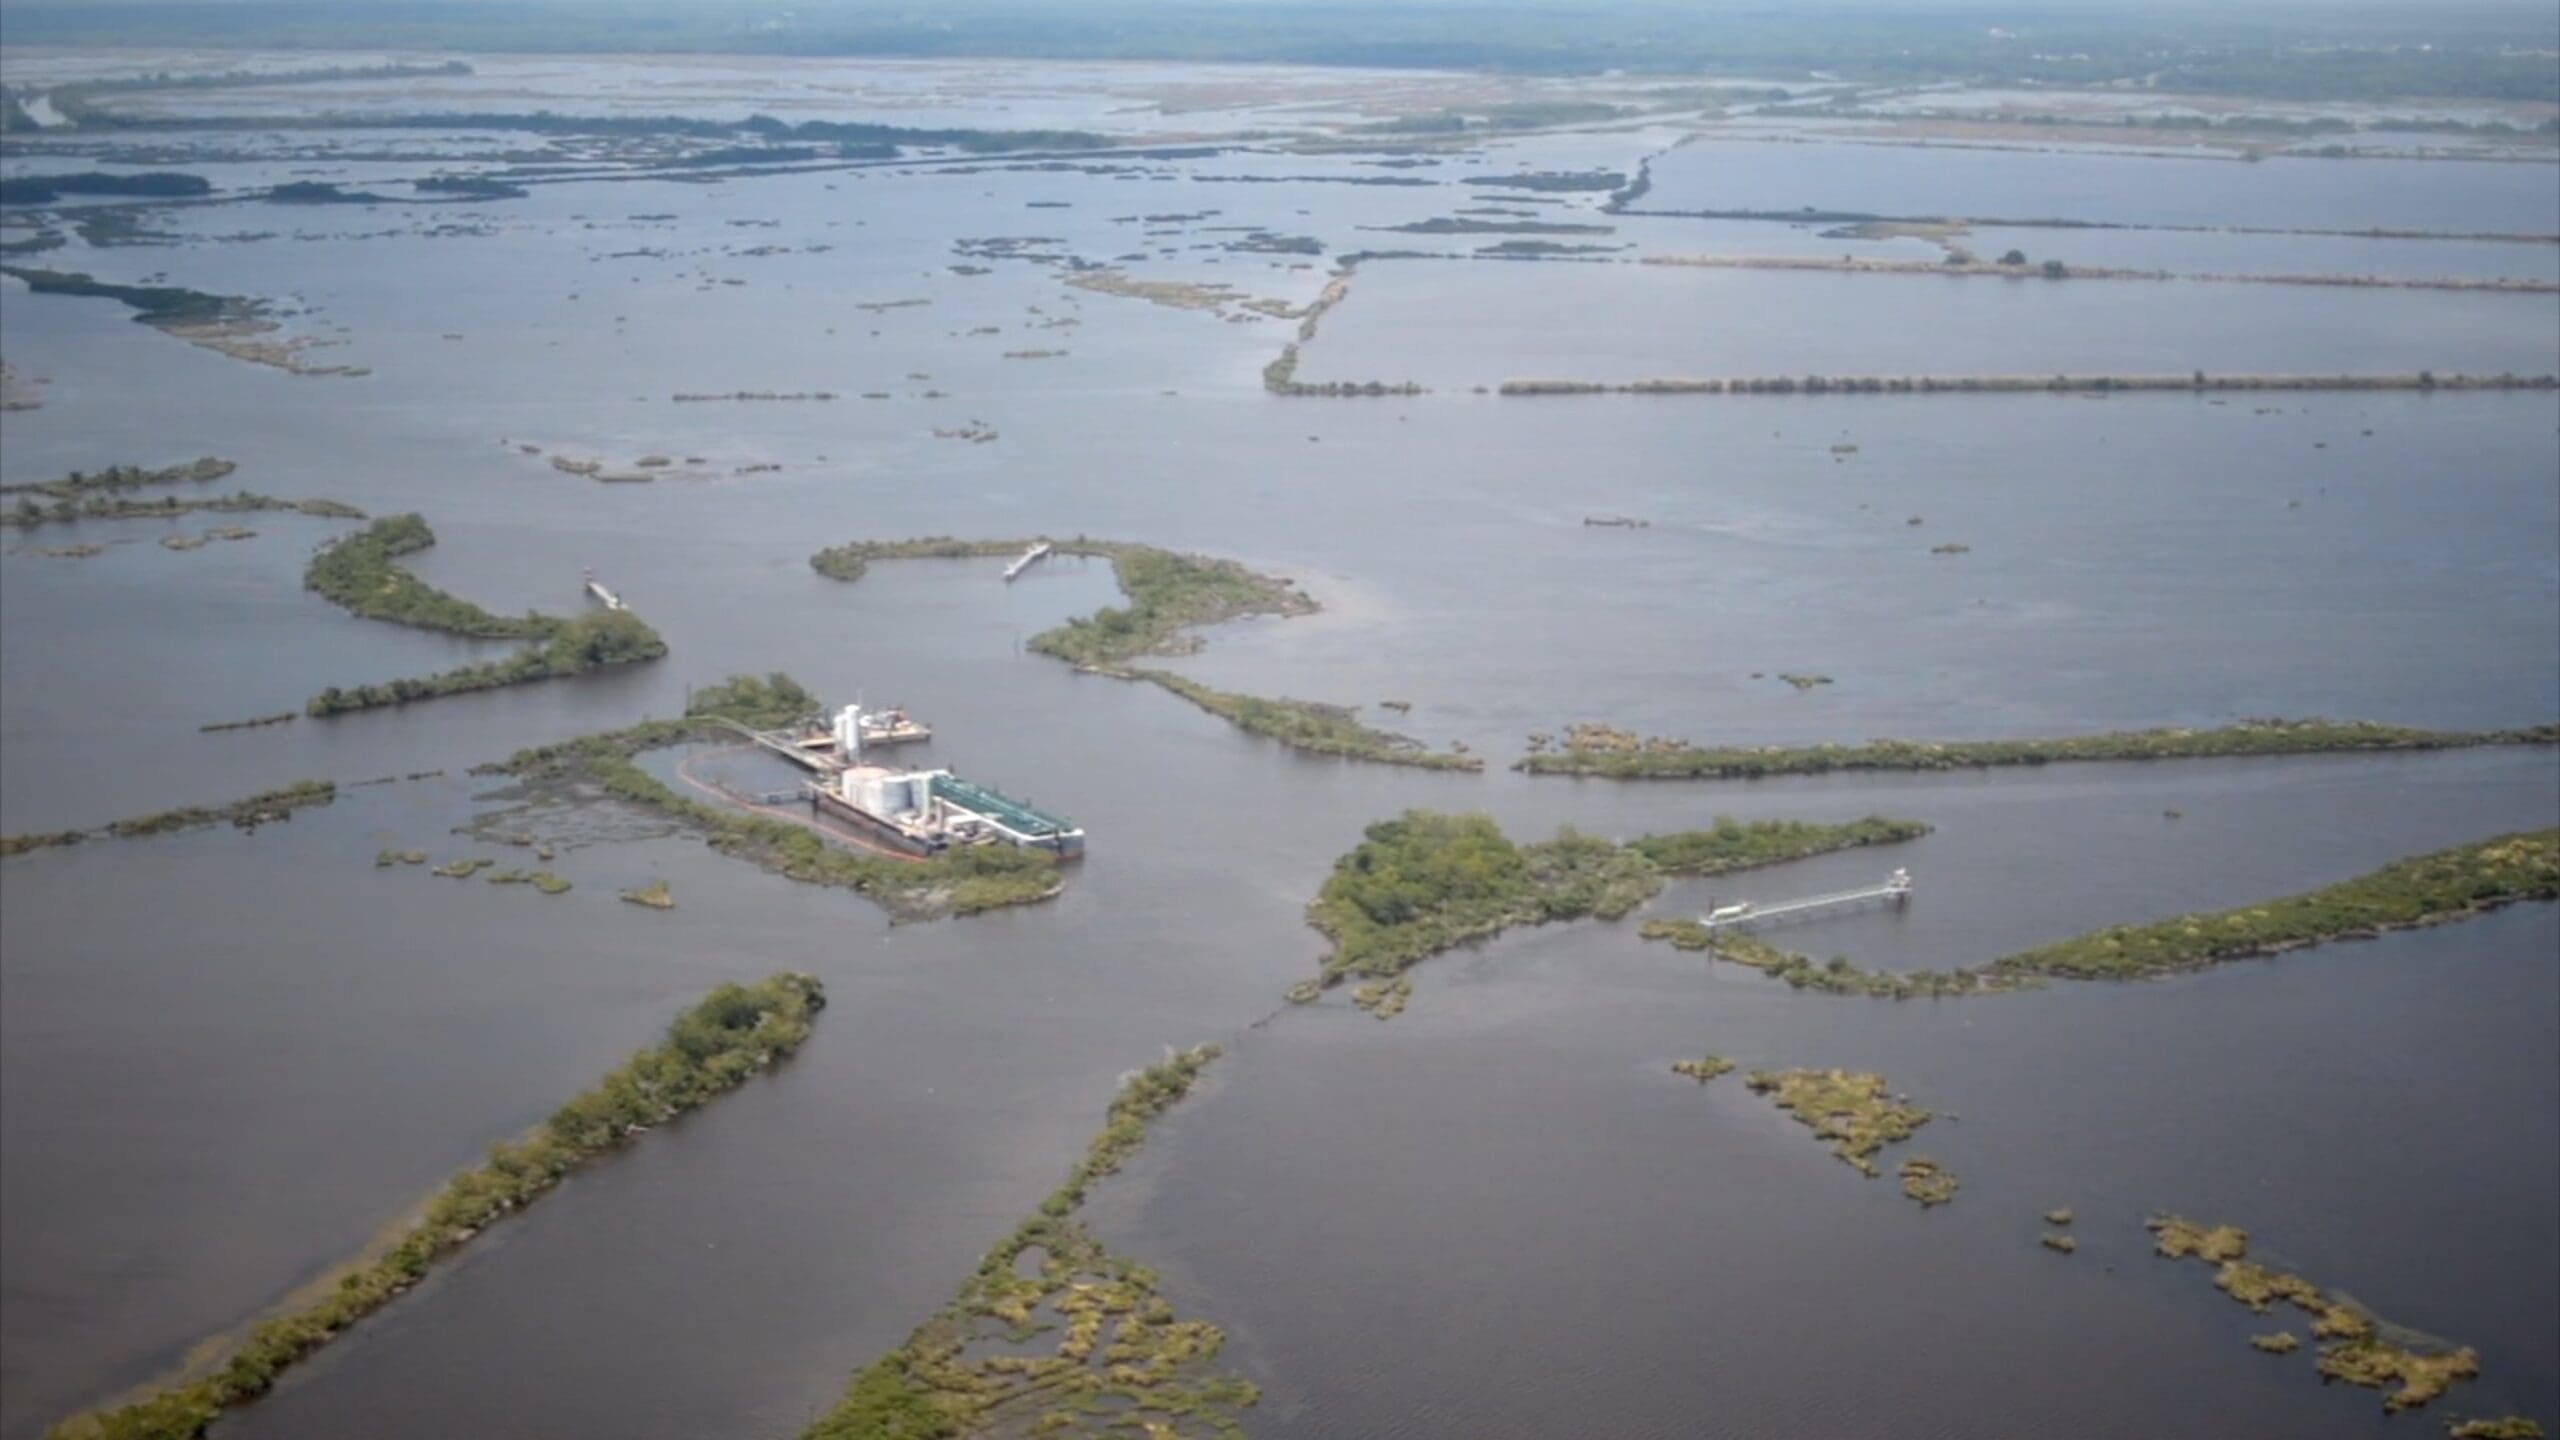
230, 1059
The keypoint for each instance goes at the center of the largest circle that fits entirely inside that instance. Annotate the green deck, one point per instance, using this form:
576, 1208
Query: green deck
1003, 809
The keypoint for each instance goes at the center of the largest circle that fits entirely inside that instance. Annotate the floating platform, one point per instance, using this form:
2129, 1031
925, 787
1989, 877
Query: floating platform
925, 812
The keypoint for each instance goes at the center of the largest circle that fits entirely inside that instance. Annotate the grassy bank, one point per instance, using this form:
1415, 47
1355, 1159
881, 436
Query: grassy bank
957, 882
1121, 1363
731, 1035
1310, 725
2424, 890
1423, 883
247, 814
1835, 976
1601, 750
361, 572
1169, 595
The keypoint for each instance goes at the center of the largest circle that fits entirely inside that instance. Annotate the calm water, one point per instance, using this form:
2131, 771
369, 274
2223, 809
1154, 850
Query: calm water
2292, 193
1454, 326
228, 1060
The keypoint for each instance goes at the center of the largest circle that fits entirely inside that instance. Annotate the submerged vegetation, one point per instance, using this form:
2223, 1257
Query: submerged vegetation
959, 881
247, 814
1425, 882
734, 1033
361, 572
1112, 1356
2357, 1347
1621, 754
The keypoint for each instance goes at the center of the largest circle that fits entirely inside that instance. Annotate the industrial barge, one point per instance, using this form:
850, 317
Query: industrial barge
919, 812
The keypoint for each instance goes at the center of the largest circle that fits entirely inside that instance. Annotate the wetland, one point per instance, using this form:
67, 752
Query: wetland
1526, 1206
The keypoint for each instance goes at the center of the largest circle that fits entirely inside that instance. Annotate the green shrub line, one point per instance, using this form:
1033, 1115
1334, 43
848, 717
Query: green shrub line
361, 573
730, 1035
1309, 725
961, 881
247, 814
2431, 889
123, 477
1169, 594
160, 306
27, 514
1425, 882
1599, 750
1122, 1361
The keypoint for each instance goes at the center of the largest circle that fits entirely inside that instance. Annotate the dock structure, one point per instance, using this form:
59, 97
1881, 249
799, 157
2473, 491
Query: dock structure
1033, 556
1896, 890
597, 590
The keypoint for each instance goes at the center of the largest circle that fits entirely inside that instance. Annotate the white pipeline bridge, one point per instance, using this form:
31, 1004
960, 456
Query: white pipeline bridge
1896, 890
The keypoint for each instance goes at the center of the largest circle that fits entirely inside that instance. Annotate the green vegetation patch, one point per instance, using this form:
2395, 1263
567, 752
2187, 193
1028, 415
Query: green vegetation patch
2424, 890
2433, 889
1170, 594
1425, 882
1702, 1069
2358, 1348
247, 814
960, 881
1836, 976
1310, 726
1113, 1357
361, 573
1600, 750
156, 305
731, 1035
80, 483
1854, 1111
101, 495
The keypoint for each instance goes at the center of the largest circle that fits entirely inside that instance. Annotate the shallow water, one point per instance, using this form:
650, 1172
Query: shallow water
2285, 192
1455, 326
